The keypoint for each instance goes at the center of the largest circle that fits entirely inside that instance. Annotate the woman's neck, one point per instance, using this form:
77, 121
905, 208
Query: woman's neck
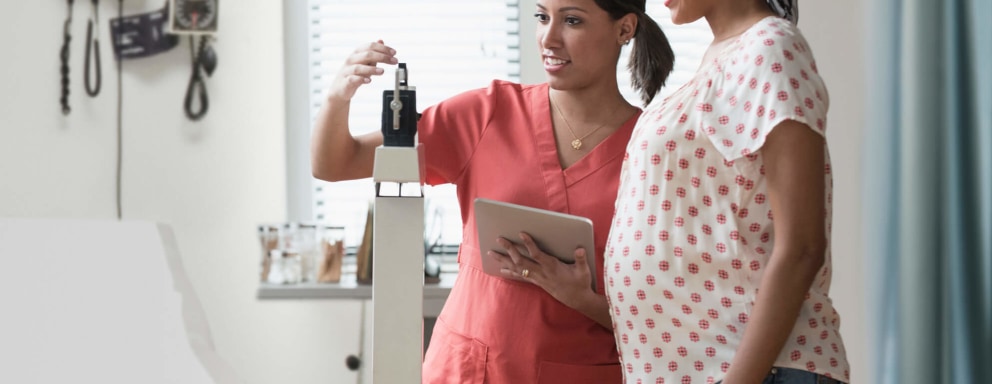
588, 104
731, 18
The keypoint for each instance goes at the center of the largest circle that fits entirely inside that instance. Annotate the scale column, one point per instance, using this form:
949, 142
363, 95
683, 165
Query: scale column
398, 242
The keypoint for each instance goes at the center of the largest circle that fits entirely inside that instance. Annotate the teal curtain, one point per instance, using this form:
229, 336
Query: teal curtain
928, 190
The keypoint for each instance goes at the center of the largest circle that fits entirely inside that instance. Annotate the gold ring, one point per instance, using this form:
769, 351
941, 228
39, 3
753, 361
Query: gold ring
524, 273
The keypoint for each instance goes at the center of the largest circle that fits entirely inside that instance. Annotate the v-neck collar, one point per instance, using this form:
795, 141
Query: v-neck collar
557, 179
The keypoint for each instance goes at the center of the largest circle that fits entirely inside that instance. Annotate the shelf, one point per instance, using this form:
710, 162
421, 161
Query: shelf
349, 289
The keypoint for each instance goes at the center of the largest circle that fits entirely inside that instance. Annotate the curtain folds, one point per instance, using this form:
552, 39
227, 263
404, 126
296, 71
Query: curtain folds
928, 190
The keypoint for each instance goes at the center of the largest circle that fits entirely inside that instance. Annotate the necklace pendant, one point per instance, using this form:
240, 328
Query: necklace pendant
577, 144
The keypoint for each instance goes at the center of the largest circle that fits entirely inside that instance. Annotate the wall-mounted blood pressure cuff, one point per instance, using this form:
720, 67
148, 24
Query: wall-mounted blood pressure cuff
141, 35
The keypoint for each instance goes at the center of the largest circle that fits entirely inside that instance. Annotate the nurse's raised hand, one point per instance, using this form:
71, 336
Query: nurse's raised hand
359, 68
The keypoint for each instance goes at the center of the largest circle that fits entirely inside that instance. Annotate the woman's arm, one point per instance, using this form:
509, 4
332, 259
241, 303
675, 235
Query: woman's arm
334, 153
794, 167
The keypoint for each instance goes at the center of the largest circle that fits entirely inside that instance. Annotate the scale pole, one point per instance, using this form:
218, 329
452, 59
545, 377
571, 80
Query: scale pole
398, 243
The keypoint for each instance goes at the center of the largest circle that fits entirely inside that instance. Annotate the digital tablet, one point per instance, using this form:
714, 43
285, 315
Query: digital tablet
556, 233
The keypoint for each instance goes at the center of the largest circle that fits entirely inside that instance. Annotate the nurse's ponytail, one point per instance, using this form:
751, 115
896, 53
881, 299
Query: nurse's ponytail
651, 57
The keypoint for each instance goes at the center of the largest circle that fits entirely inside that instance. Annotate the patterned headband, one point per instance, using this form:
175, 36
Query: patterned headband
787, 9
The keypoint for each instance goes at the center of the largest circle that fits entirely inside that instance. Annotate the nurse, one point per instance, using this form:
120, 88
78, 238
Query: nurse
557, 146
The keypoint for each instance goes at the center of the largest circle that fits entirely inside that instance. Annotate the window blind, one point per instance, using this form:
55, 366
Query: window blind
450, 46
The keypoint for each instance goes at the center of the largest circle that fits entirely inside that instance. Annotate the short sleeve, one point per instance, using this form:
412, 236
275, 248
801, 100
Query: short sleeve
450, 132
772, 77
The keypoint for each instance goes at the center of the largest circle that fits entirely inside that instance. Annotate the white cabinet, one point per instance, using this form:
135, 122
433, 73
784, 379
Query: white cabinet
354, 318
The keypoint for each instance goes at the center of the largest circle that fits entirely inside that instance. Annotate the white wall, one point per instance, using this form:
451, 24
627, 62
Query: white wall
835, 30
212, 180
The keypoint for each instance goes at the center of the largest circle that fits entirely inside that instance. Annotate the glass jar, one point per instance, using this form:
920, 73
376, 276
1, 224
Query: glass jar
268, 237
287, 236
331, 254
285, 267
305, 241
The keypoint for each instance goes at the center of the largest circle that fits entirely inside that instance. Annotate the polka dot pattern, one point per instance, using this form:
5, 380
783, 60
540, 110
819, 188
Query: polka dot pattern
693, 228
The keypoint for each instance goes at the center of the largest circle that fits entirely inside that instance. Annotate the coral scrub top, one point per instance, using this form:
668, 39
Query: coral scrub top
499, 143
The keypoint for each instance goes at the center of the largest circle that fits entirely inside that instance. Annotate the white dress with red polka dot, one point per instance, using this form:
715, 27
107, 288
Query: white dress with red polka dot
693, 227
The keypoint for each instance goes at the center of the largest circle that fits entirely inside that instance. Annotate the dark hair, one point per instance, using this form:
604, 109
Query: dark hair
651, 59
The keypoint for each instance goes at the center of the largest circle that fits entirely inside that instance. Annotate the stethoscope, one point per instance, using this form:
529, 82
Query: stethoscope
92, 55
64, 56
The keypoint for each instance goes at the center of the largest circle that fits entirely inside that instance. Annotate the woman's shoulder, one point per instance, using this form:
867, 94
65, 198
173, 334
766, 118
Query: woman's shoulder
772, 48
511, 89
500, 90
776, 39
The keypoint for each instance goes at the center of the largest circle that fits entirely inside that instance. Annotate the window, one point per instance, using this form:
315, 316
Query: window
450, 46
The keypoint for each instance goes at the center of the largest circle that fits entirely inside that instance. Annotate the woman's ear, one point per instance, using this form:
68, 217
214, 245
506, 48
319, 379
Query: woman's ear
627, 28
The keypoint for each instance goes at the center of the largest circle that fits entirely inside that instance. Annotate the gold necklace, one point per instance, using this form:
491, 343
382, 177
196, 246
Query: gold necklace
577, 142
